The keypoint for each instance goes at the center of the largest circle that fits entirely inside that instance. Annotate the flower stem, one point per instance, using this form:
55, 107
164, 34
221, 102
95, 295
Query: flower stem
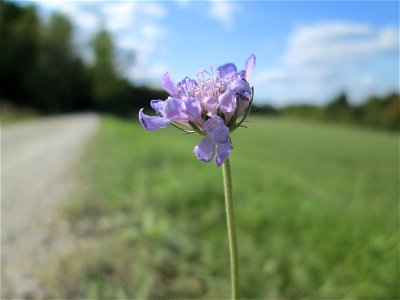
230, 221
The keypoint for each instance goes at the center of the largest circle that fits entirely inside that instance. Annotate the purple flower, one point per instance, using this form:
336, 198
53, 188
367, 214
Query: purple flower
213, 107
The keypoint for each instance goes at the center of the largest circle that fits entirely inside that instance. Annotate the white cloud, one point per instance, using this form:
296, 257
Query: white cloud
118, 15
271, 75
153, 32
332, 43
155, 10
81, 17
149, 74
224, 12
325, 58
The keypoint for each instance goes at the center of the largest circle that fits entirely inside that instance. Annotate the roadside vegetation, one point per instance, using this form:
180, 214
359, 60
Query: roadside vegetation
10, 114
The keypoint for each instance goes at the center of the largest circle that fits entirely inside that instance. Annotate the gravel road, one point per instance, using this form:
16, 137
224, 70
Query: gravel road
36, 179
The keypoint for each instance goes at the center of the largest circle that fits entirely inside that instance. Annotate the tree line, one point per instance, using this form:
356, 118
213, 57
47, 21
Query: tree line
375, 112
41, 68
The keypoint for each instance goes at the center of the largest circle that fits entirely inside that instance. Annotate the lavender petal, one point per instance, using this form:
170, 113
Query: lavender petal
174, 109
211, 104
205, 150
168, 85
223, 152
211, 123
229, 70
220, 134
242, 74
187, 87
227, 102
157, 105
250, 64
241, 87
193, 108
152, 122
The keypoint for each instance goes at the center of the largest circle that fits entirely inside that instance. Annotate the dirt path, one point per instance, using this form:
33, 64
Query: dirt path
36, 158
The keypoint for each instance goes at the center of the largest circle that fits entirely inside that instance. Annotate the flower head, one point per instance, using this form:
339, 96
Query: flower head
213, 106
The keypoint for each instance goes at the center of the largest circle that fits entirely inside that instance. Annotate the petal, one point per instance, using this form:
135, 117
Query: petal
227, 102
243, 104
174, 109
241, 87
211, 123
220, 134
193, 108
227, 70
242, 74
205, 150
168, 85
187, 87
157, 105
250, 64
152, 123
223, 152
211, 104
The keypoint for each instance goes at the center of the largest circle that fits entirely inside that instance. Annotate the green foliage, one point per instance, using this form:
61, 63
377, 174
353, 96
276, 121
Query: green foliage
304, 111
382, 112
374, 112
59, 82
106, 84
11, 114
265, 109
39, 66
19, 39
316, 209
111, 92
339, 109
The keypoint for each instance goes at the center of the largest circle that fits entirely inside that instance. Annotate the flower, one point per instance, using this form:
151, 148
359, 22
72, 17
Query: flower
209, 106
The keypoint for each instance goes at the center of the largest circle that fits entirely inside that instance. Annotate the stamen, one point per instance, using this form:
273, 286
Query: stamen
205, 71
212, 87
200, 86
202, 75
186, 88
212, 72
198, 77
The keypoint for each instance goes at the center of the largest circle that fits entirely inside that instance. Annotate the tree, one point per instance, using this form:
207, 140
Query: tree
106, 84
19, 40
339, 109
60, 82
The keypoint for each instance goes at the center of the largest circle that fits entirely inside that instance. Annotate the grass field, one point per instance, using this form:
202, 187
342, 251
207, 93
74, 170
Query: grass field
316, 210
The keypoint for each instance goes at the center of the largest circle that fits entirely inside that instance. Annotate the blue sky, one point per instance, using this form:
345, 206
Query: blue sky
307, 51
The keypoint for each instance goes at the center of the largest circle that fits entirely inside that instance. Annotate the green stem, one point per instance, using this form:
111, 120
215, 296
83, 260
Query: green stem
230, 221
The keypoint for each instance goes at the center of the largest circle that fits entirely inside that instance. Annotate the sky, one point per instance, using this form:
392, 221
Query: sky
307, 51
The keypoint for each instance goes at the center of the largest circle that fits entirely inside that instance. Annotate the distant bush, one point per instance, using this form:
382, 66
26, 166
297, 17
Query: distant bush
339, 109
381, 112
375, 112
303, 110
264, 109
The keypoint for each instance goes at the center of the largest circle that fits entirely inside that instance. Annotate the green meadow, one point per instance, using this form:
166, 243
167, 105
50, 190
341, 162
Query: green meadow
317, 212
